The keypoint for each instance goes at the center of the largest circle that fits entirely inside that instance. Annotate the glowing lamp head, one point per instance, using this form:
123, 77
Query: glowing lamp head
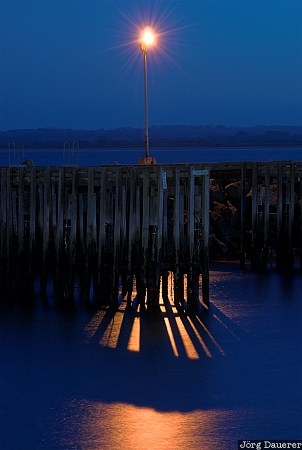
147, 39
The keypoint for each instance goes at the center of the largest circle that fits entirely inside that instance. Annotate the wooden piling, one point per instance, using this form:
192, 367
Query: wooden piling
178, 294
205, 237
4, 248
242, 216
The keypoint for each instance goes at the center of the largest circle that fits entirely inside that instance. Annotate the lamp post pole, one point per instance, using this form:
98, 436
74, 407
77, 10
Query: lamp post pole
144, 51
148, 38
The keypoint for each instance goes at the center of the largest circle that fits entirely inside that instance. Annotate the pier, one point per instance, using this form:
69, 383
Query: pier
101, 232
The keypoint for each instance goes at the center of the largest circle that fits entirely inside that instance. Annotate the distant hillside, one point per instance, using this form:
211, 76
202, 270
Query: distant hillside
160, 136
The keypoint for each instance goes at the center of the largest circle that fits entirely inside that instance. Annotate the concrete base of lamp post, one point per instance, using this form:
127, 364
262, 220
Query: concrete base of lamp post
147, 160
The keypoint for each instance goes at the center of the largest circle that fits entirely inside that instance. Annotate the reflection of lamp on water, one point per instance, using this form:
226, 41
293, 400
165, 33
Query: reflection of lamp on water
147, 40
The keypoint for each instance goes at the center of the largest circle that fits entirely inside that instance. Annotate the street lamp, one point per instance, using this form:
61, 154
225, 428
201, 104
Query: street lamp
147, 40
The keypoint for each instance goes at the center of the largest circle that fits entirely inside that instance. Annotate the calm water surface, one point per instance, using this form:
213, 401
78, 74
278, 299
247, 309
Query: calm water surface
89, 379
94, 157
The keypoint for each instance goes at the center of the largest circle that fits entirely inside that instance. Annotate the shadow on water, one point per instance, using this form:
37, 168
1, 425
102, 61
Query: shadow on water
241, 354
166, 361
176, 362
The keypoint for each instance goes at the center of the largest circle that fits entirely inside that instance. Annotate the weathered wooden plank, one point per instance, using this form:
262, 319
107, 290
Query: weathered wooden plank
266, 205
156, 253
242, 216
73, 216
191, 297
20, 214
255, 201
205, 233
9, 229
70, 232
33, 209
102, 223
165, 213
145, 232
45, 229
178, 292
191, 195
59, 267
160, 212
130, 237
3, 233
291, 206
116, 238
279, 199
91, 212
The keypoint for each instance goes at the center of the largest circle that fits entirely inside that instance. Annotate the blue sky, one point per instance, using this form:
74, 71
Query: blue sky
76, 63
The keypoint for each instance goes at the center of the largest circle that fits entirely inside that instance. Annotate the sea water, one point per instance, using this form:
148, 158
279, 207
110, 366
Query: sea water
87, 378
95, 157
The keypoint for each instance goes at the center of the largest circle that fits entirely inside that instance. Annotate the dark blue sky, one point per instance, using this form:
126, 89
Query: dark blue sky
76, 63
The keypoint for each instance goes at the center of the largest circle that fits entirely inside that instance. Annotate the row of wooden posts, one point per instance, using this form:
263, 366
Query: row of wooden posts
99, 232
270, 212
99, 229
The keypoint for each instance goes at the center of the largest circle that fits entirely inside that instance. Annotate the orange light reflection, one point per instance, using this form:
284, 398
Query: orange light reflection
126, 426
184, 332
200, 340
186, 340
112, 332
134, 340
93, 325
